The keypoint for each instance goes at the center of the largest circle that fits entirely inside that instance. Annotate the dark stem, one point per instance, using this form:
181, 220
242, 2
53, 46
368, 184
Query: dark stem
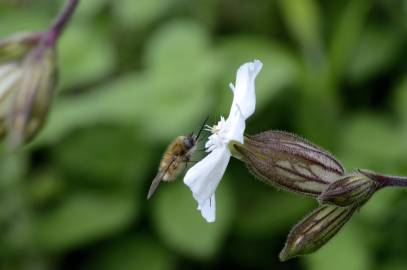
60, 22
395, 181
386, 180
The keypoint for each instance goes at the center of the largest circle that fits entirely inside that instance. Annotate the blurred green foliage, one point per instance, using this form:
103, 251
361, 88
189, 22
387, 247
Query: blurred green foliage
135, 74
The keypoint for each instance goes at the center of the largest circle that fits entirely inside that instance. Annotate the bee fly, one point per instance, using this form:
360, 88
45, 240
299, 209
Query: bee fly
175, 159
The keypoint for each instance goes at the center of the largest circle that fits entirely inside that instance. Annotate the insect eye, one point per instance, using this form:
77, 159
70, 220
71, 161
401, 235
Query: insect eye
189, 142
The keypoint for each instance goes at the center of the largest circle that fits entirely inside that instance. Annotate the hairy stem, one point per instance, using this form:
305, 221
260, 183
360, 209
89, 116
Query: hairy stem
386, 180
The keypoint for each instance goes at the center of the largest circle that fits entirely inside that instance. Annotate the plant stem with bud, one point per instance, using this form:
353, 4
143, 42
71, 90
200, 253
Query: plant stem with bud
62, 19
30, 62
386, 180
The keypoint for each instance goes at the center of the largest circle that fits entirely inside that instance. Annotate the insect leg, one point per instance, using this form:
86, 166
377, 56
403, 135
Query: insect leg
186, 166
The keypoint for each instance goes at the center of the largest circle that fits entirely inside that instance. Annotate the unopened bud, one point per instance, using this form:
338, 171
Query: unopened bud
27, 73
33, 97
354, 189
10, 76
288, 161
315, 230
18, 45
33, 56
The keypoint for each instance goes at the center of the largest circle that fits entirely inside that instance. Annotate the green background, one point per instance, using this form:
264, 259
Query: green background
136, 74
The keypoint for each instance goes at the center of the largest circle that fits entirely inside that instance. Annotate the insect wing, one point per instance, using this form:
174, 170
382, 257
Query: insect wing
157, 180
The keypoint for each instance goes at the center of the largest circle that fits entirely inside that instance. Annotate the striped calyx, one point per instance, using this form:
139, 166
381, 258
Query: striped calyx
354, 189
33, 97
18, 45
287, 161
315, 230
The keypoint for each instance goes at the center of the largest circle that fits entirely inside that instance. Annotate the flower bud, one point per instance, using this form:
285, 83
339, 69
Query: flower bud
351, 190
27, 75
315, 230
10, 75
287, 161
18, 45
29, 93
33, 97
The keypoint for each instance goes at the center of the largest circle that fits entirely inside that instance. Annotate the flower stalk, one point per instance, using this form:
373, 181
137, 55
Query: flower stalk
289, 162
28, 74
385, 180
353, 189
60, 22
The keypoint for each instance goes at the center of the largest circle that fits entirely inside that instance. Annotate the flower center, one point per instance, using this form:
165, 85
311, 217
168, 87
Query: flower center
215, 129
219, 135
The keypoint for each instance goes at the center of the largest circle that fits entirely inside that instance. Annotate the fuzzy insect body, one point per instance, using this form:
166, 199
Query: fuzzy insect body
175, 159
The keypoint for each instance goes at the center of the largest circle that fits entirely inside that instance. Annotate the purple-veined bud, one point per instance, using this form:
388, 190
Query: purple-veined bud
28, 77
288, 161
315, 230
33, 96
18, 45
13, 51
385, 180
354, 189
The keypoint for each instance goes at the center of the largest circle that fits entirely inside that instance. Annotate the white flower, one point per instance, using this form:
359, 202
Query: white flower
204, 177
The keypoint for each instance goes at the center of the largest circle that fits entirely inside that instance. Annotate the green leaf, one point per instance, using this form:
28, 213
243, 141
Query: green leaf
373, 142
84, 217
400, 100
104, 155
22, 20
13, 168
169, 98
163, 108
139, 14
346, 34
85, 55
280, 68
131, 252
318, 116
89, 8
14, 219
393, 264
181, 225
266, 218
346, 251
377, 209
45, 186
302, 20
181, 70
113, 102
177, 47
379, 47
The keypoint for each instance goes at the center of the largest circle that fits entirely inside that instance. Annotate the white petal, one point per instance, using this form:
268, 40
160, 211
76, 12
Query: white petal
236, 126
232, 87
208, 209
244, 90
204, 177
